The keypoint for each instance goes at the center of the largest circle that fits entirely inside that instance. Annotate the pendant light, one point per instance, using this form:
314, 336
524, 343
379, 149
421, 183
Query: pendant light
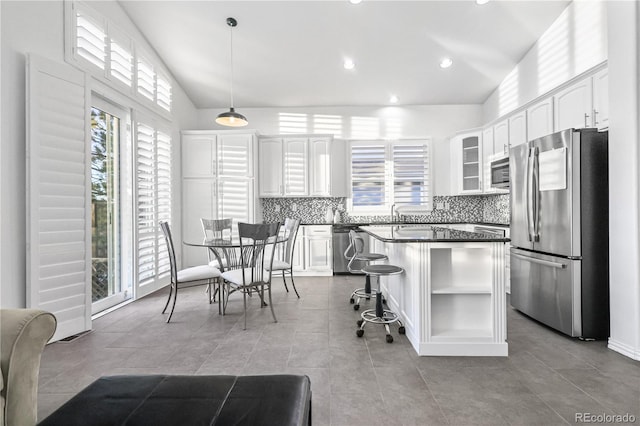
231, 118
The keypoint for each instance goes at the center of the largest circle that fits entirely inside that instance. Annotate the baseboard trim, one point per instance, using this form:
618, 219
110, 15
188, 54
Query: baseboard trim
624, 349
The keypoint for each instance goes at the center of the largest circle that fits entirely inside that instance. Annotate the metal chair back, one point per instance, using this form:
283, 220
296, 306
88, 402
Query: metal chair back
166, 230
356, 245
217, 229
290, 232
257, 249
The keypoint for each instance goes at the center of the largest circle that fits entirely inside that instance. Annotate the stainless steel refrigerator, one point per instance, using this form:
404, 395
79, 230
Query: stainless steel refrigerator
560, 231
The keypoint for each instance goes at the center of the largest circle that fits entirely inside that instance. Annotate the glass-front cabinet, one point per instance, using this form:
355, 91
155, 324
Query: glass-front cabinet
466, 155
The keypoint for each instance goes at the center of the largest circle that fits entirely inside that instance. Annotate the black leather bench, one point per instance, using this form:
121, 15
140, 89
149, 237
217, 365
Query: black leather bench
189, 400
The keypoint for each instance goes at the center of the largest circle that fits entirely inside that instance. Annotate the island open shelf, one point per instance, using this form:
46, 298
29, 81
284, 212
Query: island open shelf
451, 296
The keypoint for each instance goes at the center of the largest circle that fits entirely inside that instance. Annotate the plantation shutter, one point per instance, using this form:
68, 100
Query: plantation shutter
147, 220
163, 198
411, 184
58, 200
153, 149
146, 79
368, 174
121, 58
91, 41
163, 87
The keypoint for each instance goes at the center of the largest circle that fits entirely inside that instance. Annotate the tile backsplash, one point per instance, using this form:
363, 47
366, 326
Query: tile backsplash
468, 208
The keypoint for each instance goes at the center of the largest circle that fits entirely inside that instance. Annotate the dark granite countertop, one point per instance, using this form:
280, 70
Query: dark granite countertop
444, 224
432, 233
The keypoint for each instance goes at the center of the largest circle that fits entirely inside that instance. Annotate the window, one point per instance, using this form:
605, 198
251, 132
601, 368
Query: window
96, 45
390, 172
154, 201
146, 79
121, 59
90, 39
163, 88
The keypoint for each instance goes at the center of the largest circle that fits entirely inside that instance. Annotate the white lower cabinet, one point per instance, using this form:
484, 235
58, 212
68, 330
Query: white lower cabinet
313, 254
451, 296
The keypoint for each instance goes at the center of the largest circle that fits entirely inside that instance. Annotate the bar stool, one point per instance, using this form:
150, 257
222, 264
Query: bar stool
356, 244
379, 315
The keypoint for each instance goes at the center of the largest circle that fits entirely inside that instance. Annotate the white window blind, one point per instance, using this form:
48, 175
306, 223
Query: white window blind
163, 93
91, 42
121, 59
390, 172
58, 223
163, 198
97, 45
369, 175
154, 201
146, 79
147, 221
411, 184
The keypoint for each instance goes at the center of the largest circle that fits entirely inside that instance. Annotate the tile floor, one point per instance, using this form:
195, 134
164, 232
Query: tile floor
546, 379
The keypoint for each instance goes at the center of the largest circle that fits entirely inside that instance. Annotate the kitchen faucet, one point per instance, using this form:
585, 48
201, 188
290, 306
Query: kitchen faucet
395, 214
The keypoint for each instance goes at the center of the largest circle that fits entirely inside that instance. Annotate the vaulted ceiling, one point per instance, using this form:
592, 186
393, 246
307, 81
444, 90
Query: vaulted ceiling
291, 53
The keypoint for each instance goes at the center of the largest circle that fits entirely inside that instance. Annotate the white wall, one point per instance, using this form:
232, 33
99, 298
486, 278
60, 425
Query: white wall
624, 173
436, 121
37, 27
574, 43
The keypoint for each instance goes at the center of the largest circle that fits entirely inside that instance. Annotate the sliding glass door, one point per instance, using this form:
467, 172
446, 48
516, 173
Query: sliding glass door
108, 137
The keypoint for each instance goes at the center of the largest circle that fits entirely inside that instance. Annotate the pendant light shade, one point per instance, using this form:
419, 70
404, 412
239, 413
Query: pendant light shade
231, 118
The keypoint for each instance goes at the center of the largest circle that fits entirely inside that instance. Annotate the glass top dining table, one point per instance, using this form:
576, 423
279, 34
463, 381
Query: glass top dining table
225, 251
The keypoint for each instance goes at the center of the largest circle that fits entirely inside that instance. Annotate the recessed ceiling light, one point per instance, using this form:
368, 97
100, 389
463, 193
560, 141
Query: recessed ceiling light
481, 2
393, 99
446, 63
349, 64
355, 1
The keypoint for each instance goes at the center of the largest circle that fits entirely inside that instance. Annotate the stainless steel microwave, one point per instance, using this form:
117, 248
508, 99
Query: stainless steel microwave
500, 173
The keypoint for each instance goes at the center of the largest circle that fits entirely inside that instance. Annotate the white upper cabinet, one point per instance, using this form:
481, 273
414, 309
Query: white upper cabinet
501, 137
518, 129
320, 166
295, 166
271, 173
601, 99
487, 156
198, 155
572, 106
540, 119
235, 155
466, 166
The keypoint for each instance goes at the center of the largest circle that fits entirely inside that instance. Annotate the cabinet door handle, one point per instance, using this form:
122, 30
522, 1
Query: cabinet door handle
586, 118
595, 118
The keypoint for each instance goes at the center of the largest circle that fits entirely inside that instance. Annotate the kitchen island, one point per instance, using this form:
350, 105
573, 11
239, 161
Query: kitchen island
451, 297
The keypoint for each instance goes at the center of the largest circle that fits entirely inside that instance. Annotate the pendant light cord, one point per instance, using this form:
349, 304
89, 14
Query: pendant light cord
231, 56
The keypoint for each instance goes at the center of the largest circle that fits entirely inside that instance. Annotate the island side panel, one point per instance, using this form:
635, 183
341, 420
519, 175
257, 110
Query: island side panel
407, 292
411, 295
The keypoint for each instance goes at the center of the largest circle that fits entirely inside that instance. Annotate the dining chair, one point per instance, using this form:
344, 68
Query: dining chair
188, 277
217, 229
257, 249
285, 265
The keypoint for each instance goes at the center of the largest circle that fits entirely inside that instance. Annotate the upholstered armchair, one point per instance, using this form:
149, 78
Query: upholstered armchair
23, 335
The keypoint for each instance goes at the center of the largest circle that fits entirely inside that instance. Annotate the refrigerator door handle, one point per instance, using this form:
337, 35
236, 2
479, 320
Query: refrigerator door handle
535, 187
540, 261
529, 190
